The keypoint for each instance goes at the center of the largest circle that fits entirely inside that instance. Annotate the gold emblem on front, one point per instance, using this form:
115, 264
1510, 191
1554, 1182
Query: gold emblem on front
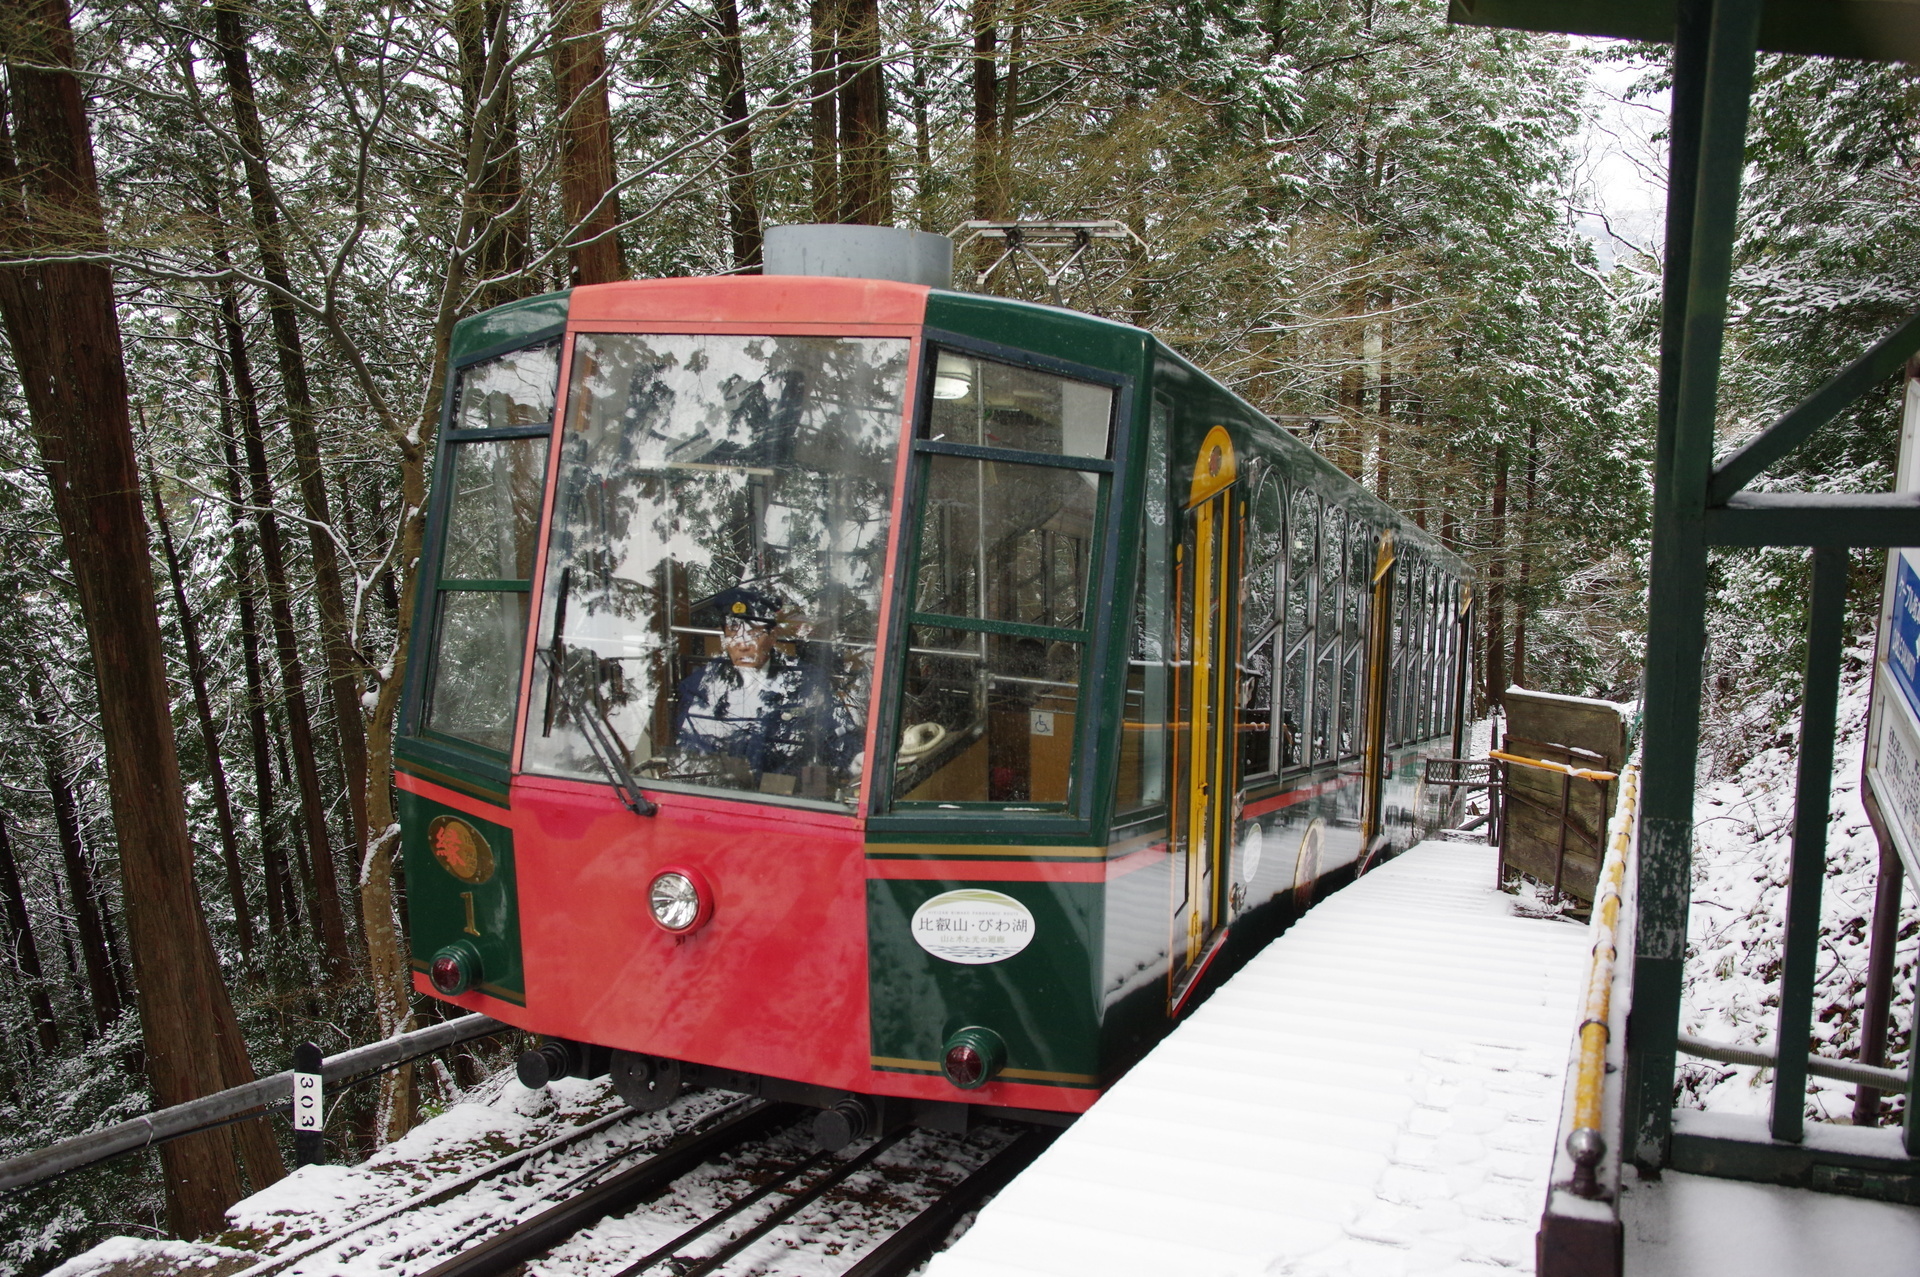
461, 849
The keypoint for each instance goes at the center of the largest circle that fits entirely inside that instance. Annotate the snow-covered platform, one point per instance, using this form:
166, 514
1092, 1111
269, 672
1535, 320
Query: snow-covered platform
1693, 1226
1377, 1093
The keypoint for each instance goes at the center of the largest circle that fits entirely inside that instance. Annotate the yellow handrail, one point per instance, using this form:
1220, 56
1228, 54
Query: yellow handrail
1545, 766
1586, 1142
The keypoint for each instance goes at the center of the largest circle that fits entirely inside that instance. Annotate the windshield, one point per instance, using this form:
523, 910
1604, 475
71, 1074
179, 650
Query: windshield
712, 593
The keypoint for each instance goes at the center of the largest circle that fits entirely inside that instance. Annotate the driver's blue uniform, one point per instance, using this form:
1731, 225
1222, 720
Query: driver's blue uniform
778, 722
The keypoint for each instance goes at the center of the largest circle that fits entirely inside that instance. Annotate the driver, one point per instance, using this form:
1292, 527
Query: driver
752, 702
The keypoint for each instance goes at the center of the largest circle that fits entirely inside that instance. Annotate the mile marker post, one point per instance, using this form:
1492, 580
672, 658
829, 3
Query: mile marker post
309, 1107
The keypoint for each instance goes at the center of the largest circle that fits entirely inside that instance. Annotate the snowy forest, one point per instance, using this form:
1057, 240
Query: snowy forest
253, 225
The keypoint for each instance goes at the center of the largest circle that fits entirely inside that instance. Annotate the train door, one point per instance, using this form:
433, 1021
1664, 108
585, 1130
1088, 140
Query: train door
1206, 641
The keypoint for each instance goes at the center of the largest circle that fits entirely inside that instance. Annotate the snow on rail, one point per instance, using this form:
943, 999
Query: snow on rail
1376, 1093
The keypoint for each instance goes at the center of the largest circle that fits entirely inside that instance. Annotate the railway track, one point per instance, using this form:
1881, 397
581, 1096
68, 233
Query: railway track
721, 1188
778, 1183
629, 1133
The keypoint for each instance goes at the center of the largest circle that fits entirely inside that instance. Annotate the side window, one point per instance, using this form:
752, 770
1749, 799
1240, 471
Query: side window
1429, 710
1396, 675
1143, 729
1296, 699
1443, 658
1406, 648
1359, 562
1012, 469
493, 473
1326, 665
1260, 621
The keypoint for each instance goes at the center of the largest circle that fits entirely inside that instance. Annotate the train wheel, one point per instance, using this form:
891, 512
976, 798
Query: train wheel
647, 1082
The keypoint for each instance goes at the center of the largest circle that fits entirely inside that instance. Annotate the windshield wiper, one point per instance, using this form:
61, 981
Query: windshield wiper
559, 651
600, 742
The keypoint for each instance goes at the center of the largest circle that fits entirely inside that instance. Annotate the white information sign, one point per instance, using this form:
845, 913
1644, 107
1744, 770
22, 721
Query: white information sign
308, 1105
1893, 733
973, 926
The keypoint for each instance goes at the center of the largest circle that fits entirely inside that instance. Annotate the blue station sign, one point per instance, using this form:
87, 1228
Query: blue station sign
1903, 632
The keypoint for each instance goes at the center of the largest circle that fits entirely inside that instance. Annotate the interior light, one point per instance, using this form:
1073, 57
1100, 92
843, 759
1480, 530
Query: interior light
952, 377
679, 900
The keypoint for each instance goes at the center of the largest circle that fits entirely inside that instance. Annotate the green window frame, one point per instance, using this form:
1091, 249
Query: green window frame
486, 516
966, 611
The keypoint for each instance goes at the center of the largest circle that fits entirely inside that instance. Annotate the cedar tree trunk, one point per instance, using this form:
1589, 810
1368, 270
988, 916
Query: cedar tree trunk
60, 319
586, 143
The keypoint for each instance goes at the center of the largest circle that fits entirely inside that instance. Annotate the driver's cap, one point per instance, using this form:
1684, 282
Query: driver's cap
744, 603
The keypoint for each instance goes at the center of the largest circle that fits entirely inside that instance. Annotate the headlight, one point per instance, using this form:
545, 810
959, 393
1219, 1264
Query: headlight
679, 900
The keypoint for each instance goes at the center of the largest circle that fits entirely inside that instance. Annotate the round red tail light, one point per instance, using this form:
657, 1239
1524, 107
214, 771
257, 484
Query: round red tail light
973, 1057
965, 1067
454, 969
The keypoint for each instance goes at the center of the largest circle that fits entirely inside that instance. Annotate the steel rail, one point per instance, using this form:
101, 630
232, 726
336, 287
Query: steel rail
437, 1193
910, 1245
237, 1103
1587, 1142
541, 1232
795, 1204
720, 1217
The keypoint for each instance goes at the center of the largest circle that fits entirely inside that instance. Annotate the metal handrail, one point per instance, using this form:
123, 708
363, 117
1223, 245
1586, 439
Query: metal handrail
1579, 773
1587, 1141
252, 1099
1873, 1075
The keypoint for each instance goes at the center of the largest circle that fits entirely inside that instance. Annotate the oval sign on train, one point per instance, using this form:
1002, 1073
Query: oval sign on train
973, 926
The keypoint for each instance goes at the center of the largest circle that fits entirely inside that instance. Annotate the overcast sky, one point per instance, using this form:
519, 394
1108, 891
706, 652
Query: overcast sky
1624, 161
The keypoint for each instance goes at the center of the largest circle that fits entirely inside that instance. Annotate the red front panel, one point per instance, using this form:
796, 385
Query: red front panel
775, 982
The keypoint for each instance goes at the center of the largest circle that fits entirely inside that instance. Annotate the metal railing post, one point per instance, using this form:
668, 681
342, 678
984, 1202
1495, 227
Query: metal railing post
1878, 1001
1713, 73
1811, 803
256, 1098
1910, 1128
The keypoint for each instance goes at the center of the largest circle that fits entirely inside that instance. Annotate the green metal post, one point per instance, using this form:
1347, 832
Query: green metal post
1811, 803
1713, 74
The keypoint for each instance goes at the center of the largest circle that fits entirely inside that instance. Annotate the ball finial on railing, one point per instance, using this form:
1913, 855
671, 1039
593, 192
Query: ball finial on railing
1587, 1147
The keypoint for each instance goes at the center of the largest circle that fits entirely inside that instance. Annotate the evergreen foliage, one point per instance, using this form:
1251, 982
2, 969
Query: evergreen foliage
1827, 264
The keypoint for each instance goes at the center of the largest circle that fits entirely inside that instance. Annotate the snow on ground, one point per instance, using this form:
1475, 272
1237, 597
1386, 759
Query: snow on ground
503, 1118
317, 1200
1376, 1093
148, 1255
1742, 843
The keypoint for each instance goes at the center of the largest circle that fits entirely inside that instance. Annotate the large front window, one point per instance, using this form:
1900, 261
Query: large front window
713, 583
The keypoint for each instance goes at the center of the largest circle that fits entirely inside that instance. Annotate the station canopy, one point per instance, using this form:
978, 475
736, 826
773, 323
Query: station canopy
1882, 30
